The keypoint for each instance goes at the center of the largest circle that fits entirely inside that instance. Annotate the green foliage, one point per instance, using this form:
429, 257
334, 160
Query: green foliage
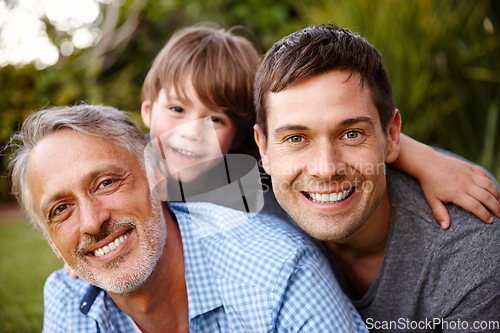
443, 57
26, 261
444, 62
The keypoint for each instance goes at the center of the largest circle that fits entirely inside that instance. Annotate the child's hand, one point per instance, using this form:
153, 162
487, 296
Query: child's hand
70, 271
447, 179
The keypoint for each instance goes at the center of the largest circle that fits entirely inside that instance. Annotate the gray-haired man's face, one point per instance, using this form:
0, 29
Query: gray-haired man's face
94, 197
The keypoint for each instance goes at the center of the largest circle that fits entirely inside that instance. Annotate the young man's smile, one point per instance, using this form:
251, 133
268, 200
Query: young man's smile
327, 164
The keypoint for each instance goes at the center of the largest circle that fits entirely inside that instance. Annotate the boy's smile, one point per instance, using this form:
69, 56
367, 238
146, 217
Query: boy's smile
190, 133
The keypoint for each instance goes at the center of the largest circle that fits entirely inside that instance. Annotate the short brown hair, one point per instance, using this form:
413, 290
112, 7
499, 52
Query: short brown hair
221, 66
319, 49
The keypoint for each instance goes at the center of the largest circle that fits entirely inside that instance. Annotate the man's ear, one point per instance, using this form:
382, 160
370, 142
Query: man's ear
54, 248
146, 109
261, 141
393, 133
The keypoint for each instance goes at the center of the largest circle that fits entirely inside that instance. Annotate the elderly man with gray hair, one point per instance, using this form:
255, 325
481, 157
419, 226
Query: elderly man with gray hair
80, 174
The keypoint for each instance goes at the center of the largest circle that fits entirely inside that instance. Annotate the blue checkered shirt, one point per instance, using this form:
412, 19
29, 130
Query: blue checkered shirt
243, 274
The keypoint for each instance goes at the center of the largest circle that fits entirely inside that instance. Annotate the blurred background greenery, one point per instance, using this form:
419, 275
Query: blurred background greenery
26, 261
443, 57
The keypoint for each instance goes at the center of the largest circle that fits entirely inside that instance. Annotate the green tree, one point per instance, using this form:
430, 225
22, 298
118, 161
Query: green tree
443, 57
444, 62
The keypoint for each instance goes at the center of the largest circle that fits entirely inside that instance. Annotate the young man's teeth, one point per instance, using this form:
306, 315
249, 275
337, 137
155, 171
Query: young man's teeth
111, 246
329, 198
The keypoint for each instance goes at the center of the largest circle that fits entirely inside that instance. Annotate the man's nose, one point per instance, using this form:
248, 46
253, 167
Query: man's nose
92, 215
325, 162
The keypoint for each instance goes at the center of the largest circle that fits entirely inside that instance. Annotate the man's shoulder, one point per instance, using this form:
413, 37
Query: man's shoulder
405, 192
468, 242
59, 286
249, 247
207, 219
264, 272
62, 304
455, 270
267, 269
414, 230
470, 238
463, 264
74, 305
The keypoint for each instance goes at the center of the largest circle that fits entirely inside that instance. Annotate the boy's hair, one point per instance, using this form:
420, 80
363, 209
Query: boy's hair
319, 49
93, 120
221, 66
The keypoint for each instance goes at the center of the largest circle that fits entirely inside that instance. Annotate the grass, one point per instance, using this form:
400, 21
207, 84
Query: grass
26, 261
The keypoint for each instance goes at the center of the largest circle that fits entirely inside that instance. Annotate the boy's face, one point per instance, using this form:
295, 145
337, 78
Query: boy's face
193, 137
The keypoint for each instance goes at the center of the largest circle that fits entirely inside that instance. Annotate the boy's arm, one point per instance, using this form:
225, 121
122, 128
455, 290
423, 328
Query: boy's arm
446, 179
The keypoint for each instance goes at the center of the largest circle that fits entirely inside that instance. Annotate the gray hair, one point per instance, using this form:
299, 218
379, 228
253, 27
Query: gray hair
93, 120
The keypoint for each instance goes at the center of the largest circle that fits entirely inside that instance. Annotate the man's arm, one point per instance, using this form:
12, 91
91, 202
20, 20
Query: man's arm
314, 301
446, 179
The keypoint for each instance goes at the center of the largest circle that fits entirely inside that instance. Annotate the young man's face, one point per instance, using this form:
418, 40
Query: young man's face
94, 197
193, 136
325, 152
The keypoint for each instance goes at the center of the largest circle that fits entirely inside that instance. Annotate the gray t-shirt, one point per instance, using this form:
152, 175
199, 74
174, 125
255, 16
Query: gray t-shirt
433, 280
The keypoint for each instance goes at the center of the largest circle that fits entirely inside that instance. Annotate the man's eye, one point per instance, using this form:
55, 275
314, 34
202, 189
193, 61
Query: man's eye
295, 139
106, 183
351, 135
58, 210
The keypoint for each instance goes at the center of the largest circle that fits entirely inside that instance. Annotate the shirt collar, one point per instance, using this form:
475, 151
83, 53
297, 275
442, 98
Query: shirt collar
92, 305
89, 298
203, 294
